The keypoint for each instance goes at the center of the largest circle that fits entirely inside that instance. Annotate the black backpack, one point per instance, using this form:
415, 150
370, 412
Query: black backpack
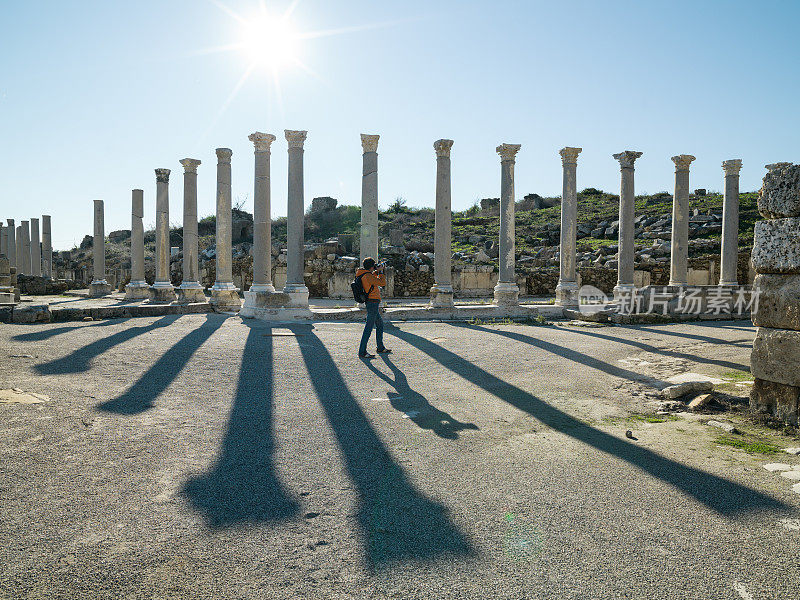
358, 289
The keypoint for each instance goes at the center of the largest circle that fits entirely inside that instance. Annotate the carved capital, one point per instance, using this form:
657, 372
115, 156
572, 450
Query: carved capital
369, 142
190, 165
262, 141
295, 138
777, 165
732, 167
10, 222
569, 155
682, 162
508, 151
627, 158
162, 175
442, 148
224, 155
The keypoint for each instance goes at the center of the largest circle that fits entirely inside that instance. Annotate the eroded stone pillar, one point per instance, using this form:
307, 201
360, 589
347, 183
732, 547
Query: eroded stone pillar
567, 288
506, 292
137, 289
12, 243
679, 260
26, 247
162, 289
729, 258
47, 247
19, 249
627, 205
3, 240
295, 263
224, 295
369, 197
99, 286
190, 289
442, 290
36, 249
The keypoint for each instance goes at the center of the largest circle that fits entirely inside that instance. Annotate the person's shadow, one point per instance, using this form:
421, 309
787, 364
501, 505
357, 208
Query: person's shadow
414, 404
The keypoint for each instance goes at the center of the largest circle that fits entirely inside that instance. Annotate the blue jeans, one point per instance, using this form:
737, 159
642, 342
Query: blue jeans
373, 320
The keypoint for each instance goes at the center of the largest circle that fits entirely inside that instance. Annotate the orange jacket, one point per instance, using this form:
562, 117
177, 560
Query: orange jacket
371, 280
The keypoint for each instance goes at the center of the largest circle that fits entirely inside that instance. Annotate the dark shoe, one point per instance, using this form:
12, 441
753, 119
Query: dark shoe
367, 355
384, 351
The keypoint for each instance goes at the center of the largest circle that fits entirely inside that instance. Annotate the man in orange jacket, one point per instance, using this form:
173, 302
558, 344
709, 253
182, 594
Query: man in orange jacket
373, 279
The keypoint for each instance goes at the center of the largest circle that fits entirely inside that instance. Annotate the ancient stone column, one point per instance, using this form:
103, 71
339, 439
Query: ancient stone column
442, 290
19, 249
27, 269
36, 249
3, 241
162, 289
627, 205
506, 292
47, 247
137, 289
369, 197
262, 220
12, 243
99, 286
567, 288
295, 263
679, 261
190, 289
224, 295
729, 258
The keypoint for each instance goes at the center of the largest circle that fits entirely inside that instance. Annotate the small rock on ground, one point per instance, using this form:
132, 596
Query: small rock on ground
724, 426
700, 402
687, 387
793, 475
796, 488
772, 467
795, 451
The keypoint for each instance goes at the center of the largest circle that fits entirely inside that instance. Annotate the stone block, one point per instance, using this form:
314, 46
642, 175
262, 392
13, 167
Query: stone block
780, 194
776, 399
776, 247
37, 313
776, 356
778, 301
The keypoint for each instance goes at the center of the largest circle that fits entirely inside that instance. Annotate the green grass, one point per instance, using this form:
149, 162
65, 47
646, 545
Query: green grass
737, 375
753, 447
643, 418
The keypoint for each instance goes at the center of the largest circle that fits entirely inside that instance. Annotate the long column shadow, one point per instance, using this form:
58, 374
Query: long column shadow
46, 334
398, 522
243, 486
691, 336
409, 401
719, 494
80, 360
141, 395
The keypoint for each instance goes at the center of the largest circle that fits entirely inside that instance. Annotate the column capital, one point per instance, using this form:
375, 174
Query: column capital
777, 165
627, 158
190, 165
369, 142
682, 162
507, 152
262, 141
224, 155
10, 222
732, 167
442, 148
569, 155
162, 175
295, 137
95, 201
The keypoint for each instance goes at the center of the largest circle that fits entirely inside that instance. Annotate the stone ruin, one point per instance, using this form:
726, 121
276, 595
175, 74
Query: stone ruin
775, 362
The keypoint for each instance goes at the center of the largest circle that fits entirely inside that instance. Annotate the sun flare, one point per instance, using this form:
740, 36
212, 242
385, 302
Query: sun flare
270, 42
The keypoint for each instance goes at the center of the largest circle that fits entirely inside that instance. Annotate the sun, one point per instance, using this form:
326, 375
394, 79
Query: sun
270, 42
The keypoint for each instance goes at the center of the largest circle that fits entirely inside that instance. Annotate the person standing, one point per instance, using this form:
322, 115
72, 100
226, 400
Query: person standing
373, 278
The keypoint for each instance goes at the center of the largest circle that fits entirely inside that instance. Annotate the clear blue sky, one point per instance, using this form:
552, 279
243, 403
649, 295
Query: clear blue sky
95, 95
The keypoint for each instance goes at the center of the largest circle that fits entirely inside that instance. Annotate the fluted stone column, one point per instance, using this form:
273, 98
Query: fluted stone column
19, 248
27, 269
12, 244
137, 289
190, 289
162, 289
224, 295
99, 286
627, 205
729, 259
369, 197
567, 288
442, 290
295, 263
36, 249
679, 261
3, 240
506, 292
47, 247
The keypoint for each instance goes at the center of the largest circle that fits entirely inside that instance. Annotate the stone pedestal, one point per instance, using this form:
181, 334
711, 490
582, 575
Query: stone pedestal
224, 295
12, 243
679, 258
506, 292
138, 288
6, 288
627, 204
99, 286
190, 289
567, 288
36, 249
295, 260
442, 290
47, 247
369, 197
162, 289
729, 259
25, 230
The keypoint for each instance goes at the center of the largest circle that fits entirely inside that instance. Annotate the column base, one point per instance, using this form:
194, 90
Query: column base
298, 295
623, 290
99, 288
7, 295
162, 292
225, 297
256, 302
262, 287
728, 283
567, 294
191, 293
677, 283
441, 296
506, 294
137, 290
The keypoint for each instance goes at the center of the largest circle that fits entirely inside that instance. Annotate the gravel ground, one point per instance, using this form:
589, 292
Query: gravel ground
203, 456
